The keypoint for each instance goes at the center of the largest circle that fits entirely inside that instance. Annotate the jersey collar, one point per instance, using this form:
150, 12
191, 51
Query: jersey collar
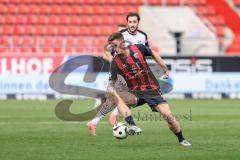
131, 32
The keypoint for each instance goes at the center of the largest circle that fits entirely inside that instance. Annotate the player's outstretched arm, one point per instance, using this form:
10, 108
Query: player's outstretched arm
161, 63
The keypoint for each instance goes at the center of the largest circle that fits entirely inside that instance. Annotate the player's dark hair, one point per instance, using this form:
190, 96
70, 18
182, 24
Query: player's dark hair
132, 14
115, 36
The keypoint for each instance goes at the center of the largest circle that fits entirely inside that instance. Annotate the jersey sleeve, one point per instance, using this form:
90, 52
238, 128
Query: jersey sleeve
146, 41
145, 50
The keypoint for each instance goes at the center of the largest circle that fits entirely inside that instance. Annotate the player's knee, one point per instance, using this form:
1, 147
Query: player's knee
111, 99
131, 101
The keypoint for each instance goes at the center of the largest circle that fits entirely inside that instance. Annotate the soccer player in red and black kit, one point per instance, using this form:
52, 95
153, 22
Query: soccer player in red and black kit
133, 35
131, 64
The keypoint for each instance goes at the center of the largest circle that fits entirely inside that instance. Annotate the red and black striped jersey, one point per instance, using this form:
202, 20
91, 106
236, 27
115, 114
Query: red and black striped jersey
134, 69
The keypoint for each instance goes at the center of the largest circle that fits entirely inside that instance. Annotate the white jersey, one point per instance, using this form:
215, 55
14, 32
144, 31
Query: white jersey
139, 38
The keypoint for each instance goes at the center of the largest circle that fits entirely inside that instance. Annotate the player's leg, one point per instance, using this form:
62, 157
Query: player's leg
130, 100
98, 117
173, 124
113, 117
120, 100
105, 106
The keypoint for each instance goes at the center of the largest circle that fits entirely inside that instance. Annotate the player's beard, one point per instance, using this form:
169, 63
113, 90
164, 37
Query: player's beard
132, 31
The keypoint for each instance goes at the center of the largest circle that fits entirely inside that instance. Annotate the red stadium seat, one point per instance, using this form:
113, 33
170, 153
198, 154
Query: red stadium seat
109, 9
206, 10
58, 45
155, 2
195, 2
65, 9
19, 30
58, 1
41, 30
52, 30
74, 19
76, 9
6, 30
119, 19
2, 20
83, 30
80, 50
216, 20
23, 1
3, 8
82, 41
201, 10
73, 30
107, 30
119, 9
9, 19
64, 19
44, 9
87, 9
7, 1
53, 19
3, 49
20, 19
96, 19
86, 19
42, 19
96, 31
106, 19
36, 1
98, 9
28, 41
55, 9
99, 41
173, 2
109, 1
4, 41
32, 19
12, 9
70, 41
210, 10
200, 2
131, 8
46, 45
47, 1
17, 41
33, 9
30, 30
62, 30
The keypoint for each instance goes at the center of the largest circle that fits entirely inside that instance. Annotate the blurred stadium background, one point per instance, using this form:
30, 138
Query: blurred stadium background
198, 39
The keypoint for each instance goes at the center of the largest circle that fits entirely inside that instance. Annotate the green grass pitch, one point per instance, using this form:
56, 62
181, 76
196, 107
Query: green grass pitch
29, 130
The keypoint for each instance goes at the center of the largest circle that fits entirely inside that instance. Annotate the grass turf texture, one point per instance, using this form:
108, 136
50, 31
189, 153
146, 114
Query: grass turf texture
30, 130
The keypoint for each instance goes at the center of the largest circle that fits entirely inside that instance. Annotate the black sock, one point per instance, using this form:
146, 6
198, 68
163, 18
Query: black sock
179, 136
130, 121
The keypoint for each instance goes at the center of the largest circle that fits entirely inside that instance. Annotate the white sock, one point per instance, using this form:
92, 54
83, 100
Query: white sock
97, 103
97, 118
115, 111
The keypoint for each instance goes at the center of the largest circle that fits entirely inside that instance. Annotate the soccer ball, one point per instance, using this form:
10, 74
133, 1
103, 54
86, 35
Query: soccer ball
120, 130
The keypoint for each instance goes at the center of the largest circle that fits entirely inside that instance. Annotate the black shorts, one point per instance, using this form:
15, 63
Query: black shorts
152, 98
